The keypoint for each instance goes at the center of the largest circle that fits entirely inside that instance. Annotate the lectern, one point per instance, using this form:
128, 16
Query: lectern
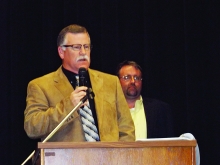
154, 152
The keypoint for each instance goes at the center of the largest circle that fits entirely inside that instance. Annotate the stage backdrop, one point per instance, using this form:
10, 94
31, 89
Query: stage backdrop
177, 43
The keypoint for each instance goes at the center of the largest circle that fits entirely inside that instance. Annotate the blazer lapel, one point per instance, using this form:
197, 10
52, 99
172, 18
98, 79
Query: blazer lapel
97, 87
62, 83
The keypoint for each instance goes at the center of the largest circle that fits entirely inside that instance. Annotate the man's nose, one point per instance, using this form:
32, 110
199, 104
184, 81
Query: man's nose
132, 79
82, 50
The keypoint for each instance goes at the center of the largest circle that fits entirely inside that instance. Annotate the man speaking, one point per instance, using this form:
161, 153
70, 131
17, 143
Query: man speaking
51, 97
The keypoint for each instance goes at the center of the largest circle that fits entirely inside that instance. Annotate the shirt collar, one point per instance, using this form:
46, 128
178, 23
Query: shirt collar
138, 104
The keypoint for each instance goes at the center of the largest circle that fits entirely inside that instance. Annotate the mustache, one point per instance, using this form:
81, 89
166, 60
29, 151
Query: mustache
84, 57
132, 86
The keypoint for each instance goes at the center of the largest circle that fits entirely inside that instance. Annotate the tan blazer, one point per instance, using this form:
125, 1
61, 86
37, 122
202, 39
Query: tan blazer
48, 102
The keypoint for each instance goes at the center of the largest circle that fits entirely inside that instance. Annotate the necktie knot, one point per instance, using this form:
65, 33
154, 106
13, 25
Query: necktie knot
77, 80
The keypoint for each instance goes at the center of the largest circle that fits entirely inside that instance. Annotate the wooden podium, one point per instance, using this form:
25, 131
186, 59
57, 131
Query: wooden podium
158, 152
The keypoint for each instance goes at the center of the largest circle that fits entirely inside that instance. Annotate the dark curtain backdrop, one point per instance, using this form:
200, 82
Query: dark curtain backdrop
177, 43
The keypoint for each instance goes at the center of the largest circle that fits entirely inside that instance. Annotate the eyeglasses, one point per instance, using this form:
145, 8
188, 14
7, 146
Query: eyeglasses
129, 77
77, 47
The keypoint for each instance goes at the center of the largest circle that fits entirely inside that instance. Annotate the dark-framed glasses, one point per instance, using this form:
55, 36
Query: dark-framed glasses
129, 78
77, 47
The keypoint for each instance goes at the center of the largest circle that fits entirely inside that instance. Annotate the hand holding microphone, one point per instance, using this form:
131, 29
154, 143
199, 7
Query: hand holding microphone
78, 94
80, 91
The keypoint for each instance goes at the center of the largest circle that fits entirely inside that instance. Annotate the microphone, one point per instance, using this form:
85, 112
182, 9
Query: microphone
83, 82
82, 76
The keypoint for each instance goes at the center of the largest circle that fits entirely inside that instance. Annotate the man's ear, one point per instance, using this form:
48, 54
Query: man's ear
61, 52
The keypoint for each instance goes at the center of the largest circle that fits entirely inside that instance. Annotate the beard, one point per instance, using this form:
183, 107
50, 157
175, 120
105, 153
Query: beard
132, 91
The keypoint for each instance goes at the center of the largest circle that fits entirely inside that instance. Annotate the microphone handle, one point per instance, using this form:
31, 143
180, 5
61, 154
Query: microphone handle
81, 81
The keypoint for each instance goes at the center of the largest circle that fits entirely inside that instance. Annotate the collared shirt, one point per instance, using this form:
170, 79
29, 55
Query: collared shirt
139, 118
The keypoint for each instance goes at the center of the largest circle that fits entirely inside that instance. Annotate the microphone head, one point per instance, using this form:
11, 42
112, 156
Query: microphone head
82, 72
82, 76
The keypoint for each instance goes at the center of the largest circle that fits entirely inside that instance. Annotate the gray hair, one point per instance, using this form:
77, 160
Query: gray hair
70, 29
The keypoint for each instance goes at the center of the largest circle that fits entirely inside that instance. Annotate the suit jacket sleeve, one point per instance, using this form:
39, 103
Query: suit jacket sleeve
46, 106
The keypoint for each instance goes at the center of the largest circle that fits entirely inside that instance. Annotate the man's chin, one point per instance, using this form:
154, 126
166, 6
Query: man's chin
132, 94
84, 64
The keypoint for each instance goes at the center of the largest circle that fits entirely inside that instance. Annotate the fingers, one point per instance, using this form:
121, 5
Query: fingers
78, 94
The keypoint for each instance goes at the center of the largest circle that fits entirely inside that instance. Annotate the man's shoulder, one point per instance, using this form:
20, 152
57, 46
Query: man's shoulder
156, 107
47, 77
102, 74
